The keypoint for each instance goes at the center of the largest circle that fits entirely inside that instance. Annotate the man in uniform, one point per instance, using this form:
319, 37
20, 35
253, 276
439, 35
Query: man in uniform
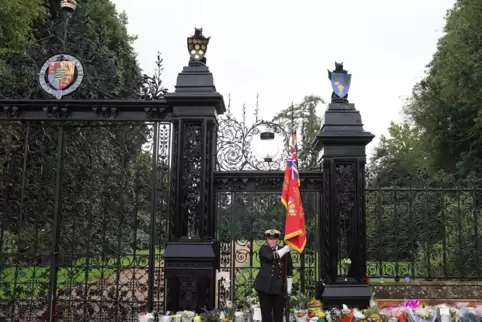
274, 279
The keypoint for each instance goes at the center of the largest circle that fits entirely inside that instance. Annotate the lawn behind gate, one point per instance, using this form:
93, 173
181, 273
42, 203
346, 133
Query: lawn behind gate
386, 271
24, 282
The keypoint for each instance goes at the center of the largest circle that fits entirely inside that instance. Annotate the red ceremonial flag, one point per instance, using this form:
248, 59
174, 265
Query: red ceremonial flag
295, 229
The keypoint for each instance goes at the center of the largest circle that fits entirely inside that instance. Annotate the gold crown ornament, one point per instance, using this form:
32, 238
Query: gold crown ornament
68, 4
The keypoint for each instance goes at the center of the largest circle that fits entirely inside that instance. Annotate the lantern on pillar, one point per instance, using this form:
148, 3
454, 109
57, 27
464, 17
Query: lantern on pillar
197, 46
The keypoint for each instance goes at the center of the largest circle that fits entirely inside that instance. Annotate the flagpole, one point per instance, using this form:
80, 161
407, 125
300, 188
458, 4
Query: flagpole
287, 297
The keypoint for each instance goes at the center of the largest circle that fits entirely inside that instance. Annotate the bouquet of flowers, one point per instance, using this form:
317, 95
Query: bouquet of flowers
345, 315
230, 313
187, 316
240, 316
252, 299
146, 317
346, 262
57, 315
468, 315
422, 314
299, 301
300, 316
212, 316
448, 314
314, 305
177, 317
165, 318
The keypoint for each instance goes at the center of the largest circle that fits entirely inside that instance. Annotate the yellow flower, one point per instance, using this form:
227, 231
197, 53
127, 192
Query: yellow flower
320, 314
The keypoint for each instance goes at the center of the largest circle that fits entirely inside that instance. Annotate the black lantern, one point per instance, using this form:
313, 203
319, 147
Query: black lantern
267, 147
197, 46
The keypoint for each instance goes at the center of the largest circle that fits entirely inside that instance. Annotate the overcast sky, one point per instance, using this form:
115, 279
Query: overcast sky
282, 49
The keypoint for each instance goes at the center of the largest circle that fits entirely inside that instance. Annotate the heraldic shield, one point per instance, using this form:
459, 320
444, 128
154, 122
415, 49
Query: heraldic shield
340, 82
61, 74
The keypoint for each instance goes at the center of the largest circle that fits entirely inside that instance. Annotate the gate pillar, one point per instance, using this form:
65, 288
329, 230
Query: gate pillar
342, 260
191, 257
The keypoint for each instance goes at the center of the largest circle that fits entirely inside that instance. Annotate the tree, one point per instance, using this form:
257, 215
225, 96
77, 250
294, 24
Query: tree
107, 169
18, 21
399, 155
446, 104
440, 140
302, 117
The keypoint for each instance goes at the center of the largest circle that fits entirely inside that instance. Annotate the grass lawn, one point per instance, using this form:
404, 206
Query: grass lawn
30, 281
27, 282
245, 273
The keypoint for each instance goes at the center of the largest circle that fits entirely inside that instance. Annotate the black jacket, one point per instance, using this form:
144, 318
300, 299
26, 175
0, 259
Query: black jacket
271, 275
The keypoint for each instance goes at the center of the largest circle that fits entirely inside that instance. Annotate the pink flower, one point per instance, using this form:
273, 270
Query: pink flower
411, 304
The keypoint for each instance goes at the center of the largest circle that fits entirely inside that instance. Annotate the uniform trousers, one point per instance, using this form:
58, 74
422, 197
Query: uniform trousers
271, 306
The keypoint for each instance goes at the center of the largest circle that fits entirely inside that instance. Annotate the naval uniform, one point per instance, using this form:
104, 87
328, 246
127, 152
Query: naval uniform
270, 283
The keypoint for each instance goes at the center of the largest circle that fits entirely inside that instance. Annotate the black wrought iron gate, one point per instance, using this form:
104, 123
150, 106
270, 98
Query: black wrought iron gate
248, 203
83, 218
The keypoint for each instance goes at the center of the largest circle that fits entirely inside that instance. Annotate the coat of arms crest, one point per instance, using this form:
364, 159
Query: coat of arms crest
61, 75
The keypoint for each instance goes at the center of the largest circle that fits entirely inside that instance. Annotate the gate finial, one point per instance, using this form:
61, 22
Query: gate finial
197, 46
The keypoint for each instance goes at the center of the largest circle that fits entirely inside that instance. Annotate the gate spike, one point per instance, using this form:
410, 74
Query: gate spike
244, 114
229, 105
256, 109
292, 108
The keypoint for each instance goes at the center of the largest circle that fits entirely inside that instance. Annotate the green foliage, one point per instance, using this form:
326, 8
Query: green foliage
402, 153
444, 128
105, 199
104, 26
446, 105
302, 117
440, 140
17, 28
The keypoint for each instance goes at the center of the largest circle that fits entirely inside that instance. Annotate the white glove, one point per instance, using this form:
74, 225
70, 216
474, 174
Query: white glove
289, 285
283, 251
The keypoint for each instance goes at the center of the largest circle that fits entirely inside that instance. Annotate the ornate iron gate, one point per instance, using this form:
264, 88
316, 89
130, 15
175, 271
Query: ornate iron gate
83, 218
248, 202
89, 186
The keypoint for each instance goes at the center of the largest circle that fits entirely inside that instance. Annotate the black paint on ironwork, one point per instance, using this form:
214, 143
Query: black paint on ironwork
152, 233
247, 204
342, 141
190, 258
109, 207
266, 136
57, 221
65, 34
236, 151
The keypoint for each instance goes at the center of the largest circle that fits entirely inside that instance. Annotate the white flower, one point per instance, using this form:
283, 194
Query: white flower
145, 317
226, 284
345, 309
188, 314
358, 314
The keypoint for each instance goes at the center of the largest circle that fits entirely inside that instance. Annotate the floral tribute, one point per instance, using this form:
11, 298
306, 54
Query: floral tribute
56, 315
304, 310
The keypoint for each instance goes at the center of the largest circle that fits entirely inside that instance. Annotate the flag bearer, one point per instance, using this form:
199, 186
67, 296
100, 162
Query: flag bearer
274, 280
